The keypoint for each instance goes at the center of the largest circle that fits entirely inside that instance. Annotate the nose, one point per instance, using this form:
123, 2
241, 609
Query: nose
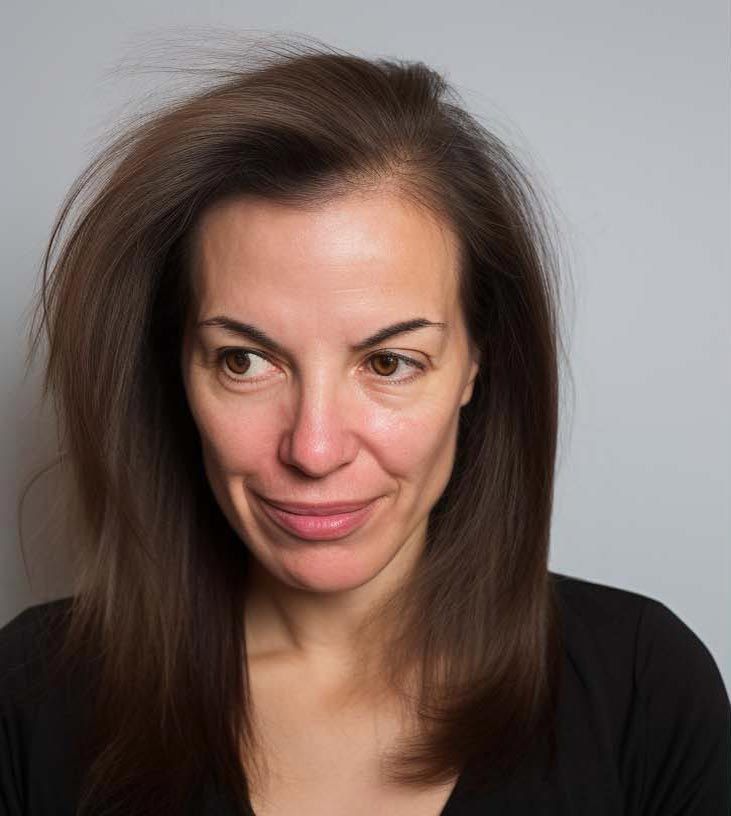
319, 438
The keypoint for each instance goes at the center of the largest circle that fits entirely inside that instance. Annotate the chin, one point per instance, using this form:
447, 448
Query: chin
327, 567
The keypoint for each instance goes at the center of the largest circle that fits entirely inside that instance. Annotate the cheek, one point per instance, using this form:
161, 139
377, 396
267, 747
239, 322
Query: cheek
413, 441
405, 440
239, 441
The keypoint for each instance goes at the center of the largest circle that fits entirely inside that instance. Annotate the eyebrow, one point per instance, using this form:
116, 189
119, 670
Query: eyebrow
256, 335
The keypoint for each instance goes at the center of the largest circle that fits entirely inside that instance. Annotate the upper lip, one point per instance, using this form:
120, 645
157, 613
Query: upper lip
321, 509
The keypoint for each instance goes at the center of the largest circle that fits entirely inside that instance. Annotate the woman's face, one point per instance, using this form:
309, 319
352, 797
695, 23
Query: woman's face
316, 418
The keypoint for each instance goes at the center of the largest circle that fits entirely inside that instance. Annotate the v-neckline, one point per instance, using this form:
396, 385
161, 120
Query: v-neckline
214, 804
456, 793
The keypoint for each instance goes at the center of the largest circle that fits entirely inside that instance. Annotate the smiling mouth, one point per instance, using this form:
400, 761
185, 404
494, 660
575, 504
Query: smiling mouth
320, 509
313, 524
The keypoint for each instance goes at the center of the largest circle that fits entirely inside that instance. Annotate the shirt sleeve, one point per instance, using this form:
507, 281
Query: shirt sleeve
14, 714
10, 796
687, 718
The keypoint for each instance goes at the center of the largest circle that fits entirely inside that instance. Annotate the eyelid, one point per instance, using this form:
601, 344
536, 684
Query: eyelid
418, 366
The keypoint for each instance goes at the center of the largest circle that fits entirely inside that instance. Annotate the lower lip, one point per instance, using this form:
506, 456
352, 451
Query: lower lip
319, 528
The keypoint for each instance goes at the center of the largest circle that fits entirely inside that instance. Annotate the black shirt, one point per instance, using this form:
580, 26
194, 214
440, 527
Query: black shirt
644, 721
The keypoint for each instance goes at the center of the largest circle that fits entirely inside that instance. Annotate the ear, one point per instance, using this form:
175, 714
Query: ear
470, 384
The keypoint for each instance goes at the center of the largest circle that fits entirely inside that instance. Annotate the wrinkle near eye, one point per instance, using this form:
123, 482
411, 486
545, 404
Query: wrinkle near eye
405, 364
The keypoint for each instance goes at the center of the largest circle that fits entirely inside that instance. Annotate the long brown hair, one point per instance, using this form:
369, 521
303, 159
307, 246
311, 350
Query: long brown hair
158, 600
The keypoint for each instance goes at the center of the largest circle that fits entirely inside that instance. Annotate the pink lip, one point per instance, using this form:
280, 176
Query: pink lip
324, 509
315, 526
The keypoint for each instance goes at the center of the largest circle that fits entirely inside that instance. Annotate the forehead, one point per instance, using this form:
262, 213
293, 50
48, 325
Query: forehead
374, 248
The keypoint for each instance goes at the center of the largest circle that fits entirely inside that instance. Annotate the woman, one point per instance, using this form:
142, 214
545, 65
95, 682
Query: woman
304, 344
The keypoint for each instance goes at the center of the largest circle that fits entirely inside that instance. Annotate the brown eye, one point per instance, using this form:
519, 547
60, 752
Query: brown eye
385, 363
238, 364
242, 362
389, 367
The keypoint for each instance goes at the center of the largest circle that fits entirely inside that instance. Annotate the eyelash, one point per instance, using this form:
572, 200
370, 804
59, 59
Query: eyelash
222, 353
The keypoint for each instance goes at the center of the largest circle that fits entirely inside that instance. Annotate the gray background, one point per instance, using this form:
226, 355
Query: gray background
621, 112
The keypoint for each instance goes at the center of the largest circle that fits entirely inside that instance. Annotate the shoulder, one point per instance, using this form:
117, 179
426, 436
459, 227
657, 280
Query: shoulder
648, 631
665, 698
26, 642
600, 625
597, 604
33, 749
